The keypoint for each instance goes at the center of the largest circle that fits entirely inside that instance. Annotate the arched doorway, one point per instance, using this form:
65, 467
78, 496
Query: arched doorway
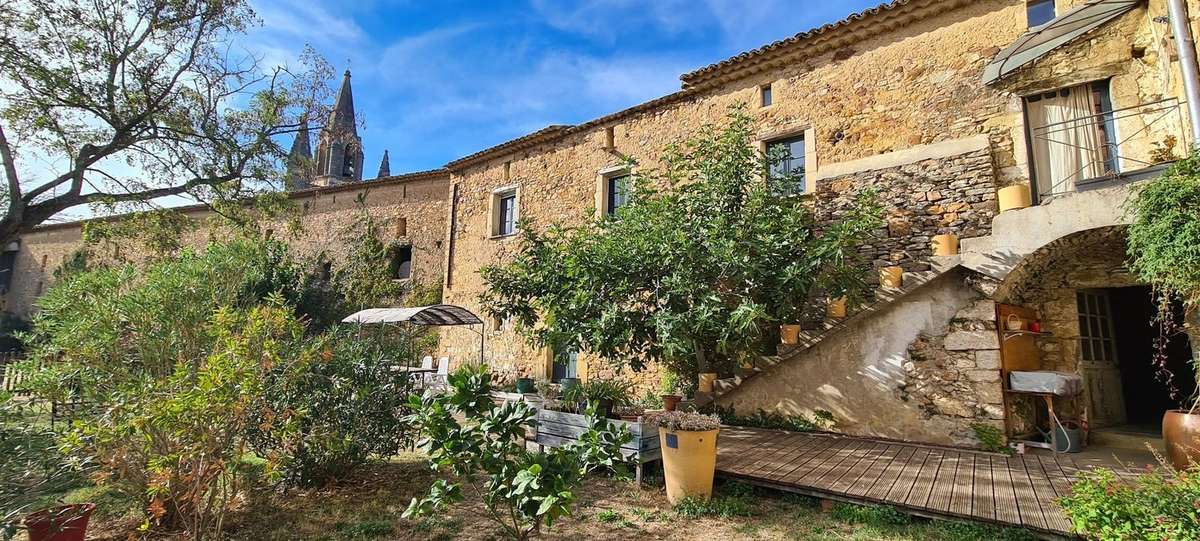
1098, 318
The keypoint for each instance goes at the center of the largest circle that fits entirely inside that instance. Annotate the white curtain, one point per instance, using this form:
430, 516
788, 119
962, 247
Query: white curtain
1067, 146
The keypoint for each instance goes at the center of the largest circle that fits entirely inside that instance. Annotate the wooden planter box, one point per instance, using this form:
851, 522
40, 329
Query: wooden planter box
556, 428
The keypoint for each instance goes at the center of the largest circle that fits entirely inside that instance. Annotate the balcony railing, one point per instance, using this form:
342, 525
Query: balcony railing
1133, 140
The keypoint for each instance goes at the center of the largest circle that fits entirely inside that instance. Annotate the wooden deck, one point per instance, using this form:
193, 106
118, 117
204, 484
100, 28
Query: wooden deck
928, 481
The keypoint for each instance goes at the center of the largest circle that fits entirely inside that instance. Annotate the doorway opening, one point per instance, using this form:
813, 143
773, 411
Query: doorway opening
1121, 357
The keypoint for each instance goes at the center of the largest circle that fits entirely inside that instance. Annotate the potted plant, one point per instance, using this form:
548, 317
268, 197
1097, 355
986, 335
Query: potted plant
1161, 241
629, 413
689, 452
606, 394
670, 393
564, 384
789, 333
62, 523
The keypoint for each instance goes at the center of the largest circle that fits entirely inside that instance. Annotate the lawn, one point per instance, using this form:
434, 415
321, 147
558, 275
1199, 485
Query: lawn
368, 506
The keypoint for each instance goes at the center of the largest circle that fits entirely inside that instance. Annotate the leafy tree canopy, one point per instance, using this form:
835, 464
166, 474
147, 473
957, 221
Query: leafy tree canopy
115, 103
695, 271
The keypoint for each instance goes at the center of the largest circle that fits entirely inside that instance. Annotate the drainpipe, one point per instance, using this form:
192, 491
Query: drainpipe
1181, 28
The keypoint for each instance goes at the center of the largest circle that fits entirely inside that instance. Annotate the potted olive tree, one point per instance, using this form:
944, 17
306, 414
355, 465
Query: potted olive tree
1162, 241
689, 452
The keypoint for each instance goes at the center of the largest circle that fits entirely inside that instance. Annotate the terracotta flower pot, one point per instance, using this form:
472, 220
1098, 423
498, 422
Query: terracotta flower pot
1014, 197
892, 277
670, 401
62, 523
1181, 436
836, 308
945, 244
789, 334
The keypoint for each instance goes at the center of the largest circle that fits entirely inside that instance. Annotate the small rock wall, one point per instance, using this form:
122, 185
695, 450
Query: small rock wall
921, 199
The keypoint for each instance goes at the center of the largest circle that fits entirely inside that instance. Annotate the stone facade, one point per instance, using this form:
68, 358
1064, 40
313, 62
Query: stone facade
326, 216
891, 100
955, 194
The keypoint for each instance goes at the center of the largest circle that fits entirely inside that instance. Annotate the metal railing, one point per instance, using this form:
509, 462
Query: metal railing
1114, 155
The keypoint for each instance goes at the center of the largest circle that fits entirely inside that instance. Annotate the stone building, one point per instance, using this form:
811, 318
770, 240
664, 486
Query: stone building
939, 105
329, 194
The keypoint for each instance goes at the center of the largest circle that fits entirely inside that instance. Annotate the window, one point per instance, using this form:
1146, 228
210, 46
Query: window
1039, 12
401, 264
1072, 136
616, 191
506, 213
1095, 327
8, 262
787, 174
348, 161
766, 94
326, 271
566, 365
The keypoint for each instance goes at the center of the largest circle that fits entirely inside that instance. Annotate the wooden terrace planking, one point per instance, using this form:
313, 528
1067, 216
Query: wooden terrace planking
932, 481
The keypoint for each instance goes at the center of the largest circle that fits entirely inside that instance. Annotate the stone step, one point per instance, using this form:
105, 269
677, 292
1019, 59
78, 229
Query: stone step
1121, 438
810, 337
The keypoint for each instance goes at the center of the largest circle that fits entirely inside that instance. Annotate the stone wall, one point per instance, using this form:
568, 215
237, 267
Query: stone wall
326, 217
924, 368
955, 194
913, 86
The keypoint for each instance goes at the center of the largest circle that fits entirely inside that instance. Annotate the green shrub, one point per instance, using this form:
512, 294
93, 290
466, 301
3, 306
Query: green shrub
1164, 236
353, 407
730, 500
1158, 504
877, 515
198, 362
32, 471
179, 441
991, 438
523, 491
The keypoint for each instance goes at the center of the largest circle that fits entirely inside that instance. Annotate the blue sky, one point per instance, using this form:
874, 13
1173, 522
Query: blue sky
435, 81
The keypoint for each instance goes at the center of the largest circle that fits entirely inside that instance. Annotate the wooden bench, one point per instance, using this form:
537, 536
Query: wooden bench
556, 428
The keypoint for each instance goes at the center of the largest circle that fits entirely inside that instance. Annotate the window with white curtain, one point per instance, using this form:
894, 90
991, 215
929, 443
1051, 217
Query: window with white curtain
1071, 134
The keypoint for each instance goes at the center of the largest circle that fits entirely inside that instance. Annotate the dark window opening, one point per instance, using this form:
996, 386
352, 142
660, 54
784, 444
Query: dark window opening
618, 193
326, 271
401, 264
787, 173
507, 223
348, 161
566, 365
1039, 12
8, 262
767, 95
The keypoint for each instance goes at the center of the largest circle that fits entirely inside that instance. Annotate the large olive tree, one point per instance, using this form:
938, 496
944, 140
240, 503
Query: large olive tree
695, 272
118, 102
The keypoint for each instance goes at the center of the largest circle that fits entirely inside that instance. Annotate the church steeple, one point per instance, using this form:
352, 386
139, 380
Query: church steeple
339, 148
342, 115
299, 160
385, 169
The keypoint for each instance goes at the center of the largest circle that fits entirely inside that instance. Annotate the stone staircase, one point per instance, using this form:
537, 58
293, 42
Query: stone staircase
883, 298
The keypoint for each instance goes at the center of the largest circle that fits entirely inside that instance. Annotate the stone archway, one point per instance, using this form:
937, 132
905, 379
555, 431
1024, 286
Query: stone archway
1091, 258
